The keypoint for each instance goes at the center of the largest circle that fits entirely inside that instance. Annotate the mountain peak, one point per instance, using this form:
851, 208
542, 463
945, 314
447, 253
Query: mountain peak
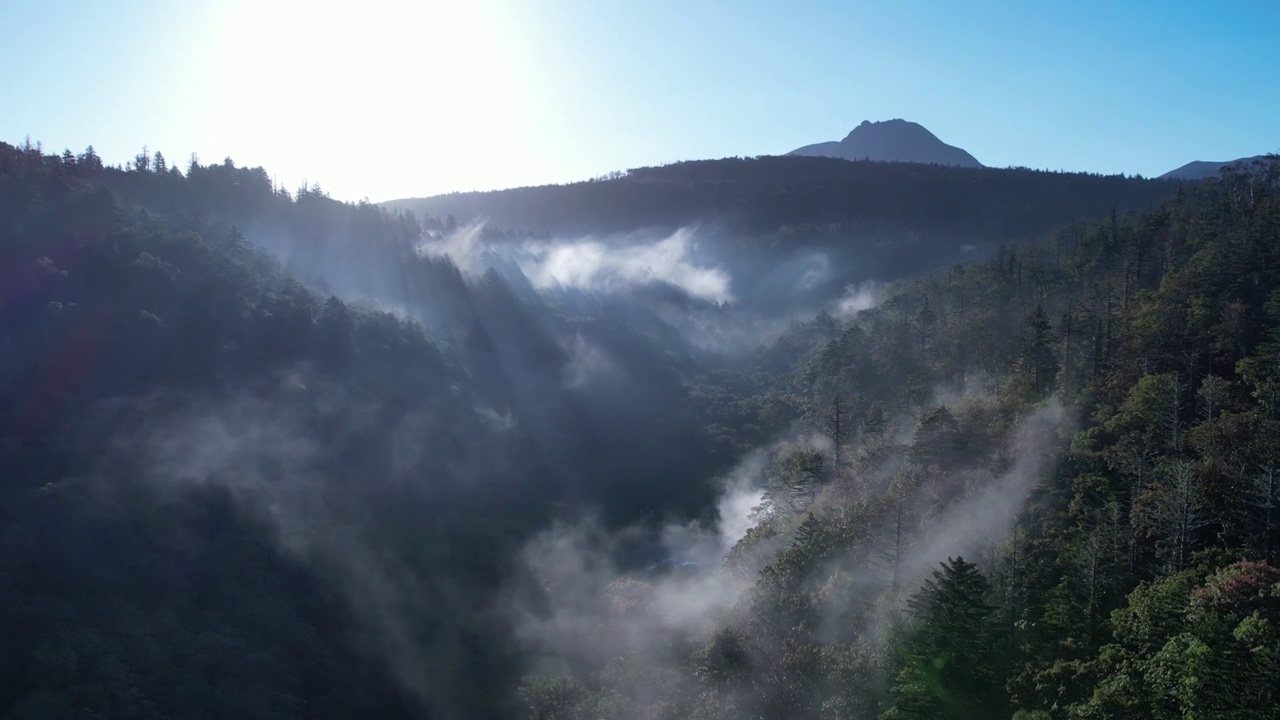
895, 140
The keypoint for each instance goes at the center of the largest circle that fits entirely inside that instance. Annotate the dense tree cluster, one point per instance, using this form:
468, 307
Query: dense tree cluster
226, 491
131, 590
1136, 580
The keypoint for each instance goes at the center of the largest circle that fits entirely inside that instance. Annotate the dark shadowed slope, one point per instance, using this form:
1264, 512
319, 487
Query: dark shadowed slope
759, 196
892, 141
1204, 169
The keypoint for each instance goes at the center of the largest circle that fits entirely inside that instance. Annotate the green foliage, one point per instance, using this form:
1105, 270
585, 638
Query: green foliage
1144, 325
1192, 647
949, 664
795, 480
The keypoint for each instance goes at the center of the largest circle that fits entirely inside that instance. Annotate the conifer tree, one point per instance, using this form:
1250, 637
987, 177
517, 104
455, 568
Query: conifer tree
947, 659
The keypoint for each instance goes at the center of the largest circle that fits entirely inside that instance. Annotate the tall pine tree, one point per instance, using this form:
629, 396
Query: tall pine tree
947, 659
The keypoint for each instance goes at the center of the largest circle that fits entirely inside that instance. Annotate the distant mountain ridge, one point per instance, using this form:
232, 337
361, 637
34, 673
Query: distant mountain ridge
764, 194
894, 140
1204, 169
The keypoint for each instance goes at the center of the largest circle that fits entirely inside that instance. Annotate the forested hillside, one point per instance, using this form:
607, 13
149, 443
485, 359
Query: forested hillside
192, 446
868, 220
225, 493
1047, 485
268, 455
898, 216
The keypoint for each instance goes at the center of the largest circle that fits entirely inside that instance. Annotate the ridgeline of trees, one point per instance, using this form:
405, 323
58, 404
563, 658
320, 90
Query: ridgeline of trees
795, 197
873, 220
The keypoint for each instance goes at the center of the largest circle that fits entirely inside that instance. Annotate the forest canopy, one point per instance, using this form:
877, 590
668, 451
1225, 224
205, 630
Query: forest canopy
265, 454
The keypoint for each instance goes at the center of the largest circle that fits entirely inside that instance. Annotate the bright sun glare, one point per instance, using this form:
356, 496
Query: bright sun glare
391, 93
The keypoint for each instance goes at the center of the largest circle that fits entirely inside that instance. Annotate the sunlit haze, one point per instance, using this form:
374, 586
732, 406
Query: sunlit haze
392, 98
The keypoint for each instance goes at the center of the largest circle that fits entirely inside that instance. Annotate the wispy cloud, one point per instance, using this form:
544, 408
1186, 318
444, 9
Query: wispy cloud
261, 453
596, 265
857, 298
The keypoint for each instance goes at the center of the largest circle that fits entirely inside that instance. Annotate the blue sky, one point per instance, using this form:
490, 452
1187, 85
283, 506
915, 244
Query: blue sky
394, 98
